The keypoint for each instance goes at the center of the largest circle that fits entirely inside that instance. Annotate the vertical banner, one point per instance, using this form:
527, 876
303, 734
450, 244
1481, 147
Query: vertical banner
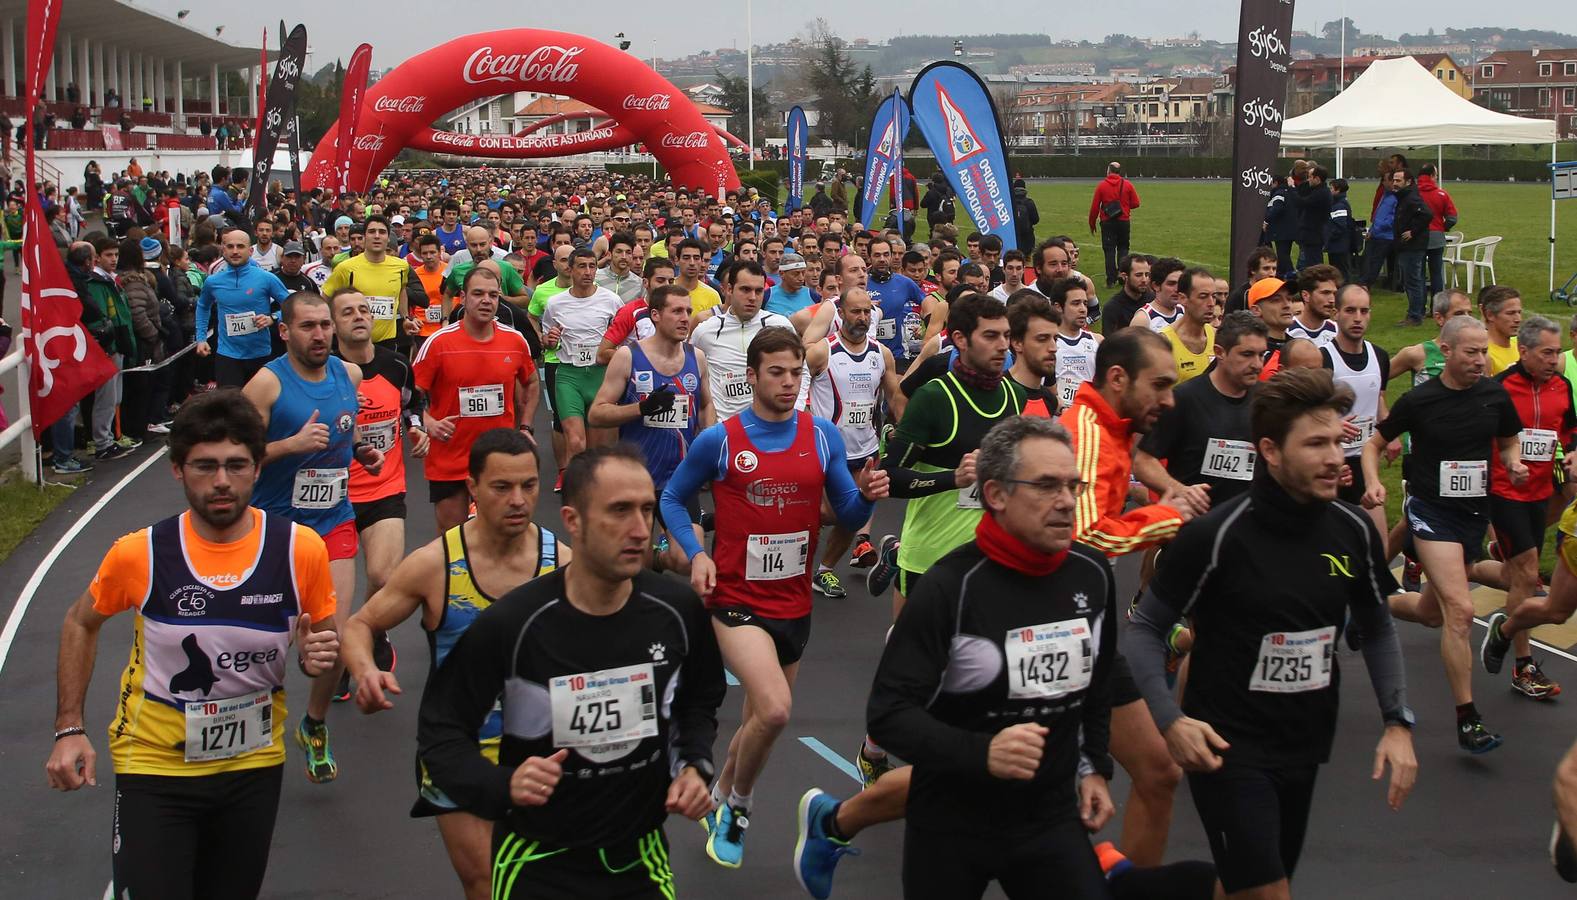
884, 154
351, 92
798, 148
293, 135
262, 85
51, 310
898, 176
958, 118
1264, 36
278, 115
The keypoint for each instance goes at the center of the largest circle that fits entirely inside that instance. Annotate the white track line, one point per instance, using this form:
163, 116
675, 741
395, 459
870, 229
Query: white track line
14, 622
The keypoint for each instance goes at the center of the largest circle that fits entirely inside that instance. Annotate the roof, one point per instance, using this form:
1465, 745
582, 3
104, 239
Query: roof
1399, 103
1522, 67
121, 24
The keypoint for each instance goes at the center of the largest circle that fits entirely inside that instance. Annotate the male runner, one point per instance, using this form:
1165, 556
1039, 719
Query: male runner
850, 376
450, 580
692, 261
1318, 285
900, 328
610, 682
540, 295
1258, 714
1032, 336
197, 740
308, 403
1456, 419
1501, 307
1191, 335
632, 323
1365, 369
995, 684
1271, 300
768, 468
1012, 276
656, 392
933, 309
1076, 344
573, 324
388, 404
618, 275
480, 242
243, 295
1133, 272
1518, 513
381, 277
429, 273
1204, 438
724, 335
1424, 359
1166, 307
477, 375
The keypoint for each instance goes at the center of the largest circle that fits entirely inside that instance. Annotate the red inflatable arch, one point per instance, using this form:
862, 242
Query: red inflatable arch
398, 111
540, 124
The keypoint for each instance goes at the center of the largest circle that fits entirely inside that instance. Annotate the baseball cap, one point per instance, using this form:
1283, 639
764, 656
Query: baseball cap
343, 221
151, 248
1263, 288
726, 211
791, 261
397, 220
293, 248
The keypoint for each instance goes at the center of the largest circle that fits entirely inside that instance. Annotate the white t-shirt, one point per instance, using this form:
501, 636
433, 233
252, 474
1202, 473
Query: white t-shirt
725, 340
269, 260
582, 321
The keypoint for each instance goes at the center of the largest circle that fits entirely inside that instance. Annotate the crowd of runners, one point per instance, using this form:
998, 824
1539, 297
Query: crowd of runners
733, 392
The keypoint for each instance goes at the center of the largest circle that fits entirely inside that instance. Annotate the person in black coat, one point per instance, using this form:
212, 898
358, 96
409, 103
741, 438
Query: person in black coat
1314, 211
1281, 224
1413, 216
938, 201
1341, 232
1025, 216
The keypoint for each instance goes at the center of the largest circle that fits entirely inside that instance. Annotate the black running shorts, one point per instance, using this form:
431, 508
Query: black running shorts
1518, 524
789, 636
1255, 820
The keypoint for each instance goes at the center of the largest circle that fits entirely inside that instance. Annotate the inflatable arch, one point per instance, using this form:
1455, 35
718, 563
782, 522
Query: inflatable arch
560, 117
398, 111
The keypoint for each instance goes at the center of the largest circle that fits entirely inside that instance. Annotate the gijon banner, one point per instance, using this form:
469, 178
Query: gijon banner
1264, 54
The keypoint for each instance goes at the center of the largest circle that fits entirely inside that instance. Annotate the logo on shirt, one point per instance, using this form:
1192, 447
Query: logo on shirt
690, 382
198, 677
261, 599
767, 493
1081, 600
191, 600
745, 461
657, 651
346, 422
1339, 564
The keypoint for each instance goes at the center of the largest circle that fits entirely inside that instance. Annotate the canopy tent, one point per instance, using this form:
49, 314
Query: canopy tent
1399, 103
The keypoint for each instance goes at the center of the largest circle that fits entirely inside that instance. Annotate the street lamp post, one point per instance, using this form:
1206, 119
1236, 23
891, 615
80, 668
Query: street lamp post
750, 86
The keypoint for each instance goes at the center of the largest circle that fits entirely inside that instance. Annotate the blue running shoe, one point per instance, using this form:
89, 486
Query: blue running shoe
881, 575
726, 843
816, 854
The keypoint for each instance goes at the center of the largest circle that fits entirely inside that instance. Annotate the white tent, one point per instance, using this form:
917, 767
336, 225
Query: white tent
1399, 103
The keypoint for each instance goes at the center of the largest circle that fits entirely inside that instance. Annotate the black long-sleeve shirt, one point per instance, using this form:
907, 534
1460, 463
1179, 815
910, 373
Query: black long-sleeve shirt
658, 663
957, 670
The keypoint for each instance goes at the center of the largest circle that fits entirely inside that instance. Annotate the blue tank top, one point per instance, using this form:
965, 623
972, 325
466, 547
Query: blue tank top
311, 489
664, 439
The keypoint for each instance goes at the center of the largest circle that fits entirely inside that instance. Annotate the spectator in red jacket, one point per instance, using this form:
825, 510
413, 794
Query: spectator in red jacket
1439, 202
1114, 199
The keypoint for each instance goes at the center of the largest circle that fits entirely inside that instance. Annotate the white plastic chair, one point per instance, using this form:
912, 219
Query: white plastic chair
1483, 257
1451, 257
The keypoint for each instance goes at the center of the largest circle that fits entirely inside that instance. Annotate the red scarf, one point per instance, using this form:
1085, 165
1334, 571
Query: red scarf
1005, 549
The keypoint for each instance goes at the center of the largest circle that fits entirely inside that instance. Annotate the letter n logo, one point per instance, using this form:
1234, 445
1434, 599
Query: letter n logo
1341, 564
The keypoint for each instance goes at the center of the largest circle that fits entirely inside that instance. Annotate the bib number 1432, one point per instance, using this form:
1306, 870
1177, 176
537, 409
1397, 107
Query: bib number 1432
1049, 660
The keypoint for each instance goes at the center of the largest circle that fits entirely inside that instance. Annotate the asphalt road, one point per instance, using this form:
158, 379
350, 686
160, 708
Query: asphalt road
1475, 827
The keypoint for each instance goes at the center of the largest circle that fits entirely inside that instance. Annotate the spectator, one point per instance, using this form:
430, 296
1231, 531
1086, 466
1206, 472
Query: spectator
1382, 232
1413, 216
838, 191
1445, 219
1114, 200
93, 185
143, 393
205, 127
1314, 212
1261, 264
73, 93
120, 343
60, 229
938, 201
79, 118
1026, 215
1281, 219
133, 168
1341, 234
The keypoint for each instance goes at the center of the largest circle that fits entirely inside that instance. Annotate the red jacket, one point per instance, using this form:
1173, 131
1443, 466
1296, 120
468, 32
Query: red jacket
1103, 448
1438, 201
1546, 407
1113, 188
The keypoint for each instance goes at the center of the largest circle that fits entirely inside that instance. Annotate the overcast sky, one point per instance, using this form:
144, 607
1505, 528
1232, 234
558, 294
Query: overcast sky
406, 28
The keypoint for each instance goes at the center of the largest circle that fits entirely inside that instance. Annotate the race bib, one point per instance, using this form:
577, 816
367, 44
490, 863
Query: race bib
382, 435
1228, 459
579, 356
319, 488
1464, 478
886, 330
1291, 662
481, 401
1538, 445
381, 307
773, 557
1066, 389
735, 387
434, 314
220, 729
237, 324
676, 416
969, 497
1049, 660
596, 709
1365, 431
858, 414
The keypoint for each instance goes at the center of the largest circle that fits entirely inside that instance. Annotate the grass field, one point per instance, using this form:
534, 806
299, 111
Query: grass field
1191, 220
23, 506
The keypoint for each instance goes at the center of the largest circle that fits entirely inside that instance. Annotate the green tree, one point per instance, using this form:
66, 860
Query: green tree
847, 94
735, 91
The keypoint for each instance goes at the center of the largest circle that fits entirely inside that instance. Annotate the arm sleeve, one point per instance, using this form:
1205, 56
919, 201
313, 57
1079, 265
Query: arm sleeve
1510, 419
122, 579
459, 694
850, 506
412, 400
1382, 645
903, 450
697, 468
276, 288
701, 691
1095, 204
1133, 195
1119, 533
917, 376
205, 309
1095, 735
1179, 577
909, 677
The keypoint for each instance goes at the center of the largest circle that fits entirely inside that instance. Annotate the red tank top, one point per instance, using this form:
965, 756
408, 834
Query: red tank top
768, 513
379, 421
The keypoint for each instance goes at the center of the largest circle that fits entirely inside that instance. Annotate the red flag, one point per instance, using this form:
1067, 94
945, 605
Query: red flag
64, 363
262, 96
354, 89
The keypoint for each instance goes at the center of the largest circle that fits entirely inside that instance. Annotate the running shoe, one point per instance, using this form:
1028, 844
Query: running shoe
726, 840
314, 742
1412, 575
383, 655
864, 555
816, 854
1563, 855
1530, 681
881, 575
342, 691
111, 451
871, 767
1493, 552
1492, 653
128, 442
558, 486
159, 428
1473, 737
1113, 862
71, 466
827, 584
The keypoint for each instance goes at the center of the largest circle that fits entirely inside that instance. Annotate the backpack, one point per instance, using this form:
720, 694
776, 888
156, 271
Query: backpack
1111, 209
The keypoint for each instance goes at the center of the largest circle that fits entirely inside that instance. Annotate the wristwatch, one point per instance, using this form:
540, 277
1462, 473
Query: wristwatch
1403, 717
702, 766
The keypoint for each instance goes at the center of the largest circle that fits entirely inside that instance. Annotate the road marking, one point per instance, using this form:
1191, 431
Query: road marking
14, 622
832, 756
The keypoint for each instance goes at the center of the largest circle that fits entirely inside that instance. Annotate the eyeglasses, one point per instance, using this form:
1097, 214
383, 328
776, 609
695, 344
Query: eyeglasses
1045, 488
208, 468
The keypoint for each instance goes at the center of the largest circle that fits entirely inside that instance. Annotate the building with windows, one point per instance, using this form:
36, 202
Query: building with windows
1538, 84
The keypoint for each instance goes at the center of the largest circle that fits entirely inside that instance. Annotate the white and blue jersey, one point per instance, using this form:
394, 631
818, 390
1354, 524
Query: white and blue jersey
900, 329
664, 438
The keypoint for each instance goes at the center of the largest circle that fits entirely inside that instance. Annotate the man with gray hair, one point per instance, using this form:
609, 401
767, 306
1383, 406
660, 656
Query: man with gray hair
1454, 418
1518, 512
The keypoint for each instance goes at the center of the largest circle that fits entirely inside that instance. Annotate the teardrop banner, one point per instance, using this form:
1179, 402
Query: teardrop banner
958, 118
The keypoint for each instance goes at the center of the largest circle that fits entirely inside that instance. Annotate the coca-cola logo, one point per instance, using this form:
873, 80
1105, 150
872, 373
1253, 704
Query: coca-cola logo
369, 142
453, 139
689, 141
409, 104
552, 64
1258, 112
652, 102
1264, 43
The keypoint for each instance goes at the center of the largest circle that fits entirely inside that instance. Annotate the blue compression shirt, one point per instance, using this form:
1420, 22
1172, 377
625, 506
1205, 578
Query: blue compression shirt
708, 459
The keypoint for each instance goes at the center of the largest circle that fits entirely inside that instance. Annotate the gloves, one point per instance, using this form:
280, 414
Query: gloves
658, 401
